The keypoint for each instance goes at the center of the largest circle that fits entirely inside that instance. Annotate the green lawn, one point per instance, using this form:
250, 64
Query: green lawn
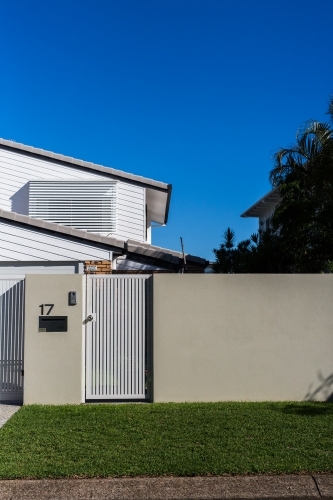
167, 439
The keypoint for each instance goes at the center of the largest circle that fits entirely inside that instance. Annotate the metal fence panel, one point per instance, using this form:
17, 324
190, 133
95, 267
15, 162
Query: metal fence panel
11, 338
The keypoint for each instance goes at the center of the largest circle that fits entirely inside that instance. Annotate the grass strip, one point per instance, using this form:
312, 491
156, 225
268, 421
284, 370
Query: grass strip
167, 439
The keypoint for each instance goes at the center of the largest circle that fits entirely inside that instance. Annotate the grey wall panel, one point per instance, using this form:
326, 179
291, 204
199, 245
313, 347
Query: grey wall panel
53, 369
243, 337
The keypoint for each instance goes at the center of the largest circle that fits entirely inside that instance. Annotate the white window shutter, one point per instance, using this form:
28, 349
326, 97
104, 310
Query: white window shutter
87, 205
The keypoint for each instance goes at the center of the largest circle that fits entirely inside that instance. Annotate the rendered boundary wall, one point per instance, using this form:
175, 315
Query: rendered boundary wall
242, 337
53, 371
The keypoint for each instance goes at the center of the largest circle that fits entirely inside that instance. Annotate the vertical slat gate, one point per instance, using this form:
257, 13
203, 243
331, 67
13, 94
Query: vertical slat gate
11, 338
117, 337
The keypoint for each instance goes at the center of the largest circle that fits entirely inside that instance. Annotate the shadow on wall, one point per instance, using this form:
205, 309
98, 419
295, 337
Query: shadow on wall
317, 401
323, 392
20, 200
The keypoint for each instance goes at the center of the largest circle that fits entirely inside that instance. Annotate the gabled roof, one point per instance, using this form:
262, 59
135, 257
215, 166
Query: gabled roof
270, 199
138, 180
132, 247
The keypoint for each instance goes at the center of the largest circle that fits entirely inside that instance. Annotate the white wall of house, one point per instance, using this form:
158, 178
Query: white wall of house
25, 244
131, 212
16, 170
264, 216
149, 227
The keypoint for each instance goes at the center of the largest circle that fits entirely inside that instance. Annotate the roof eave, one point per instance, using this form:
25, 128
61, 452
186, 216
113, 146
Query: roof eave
262, 202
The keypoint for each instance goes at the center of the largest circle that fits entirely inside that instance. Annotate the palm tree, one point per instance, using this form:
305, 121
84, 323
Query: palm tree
311, 156
303, 174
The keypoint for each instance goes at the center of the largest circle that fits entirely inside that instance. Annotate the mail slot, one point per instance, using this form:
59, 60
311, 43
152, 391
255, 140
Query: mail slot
52, 324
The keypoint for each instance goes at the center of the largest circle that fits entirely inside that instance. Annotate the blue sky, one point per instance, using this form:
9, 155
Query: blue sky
199, 94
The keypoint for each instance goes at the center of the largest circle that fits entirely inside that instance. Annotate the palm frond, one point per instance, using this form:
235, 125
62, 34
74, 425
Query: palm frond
330, 107
313, 140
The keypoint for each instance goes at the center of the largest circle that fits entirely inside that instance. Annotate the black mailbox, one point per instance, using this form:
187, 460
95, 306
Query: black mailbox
52, 324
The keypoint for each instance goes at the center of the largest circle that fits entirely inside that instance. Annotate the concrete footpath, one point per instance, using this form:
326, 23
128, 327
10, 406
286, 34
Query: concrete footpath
172, 488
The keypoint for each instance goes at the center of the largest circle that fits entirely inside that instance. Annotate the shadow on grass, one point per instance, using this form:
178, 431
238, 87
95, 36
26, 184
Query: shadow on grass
309, 409
317, 401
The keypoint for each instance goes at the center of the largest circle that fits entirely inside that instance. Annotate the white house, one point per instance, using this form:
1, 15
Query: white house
264, 208
63, 215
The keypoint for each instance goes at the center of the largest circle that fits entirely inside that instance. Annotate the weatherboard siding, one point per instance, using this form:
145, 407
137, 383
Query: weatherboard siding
131, 208
21, 244
16, 170
264, 216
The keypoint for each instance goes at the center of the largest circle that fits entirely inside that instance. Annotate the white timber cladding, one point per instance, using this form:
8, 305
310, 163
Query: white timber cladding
24, 244
11, 338
87, 205
131, 212
116, 337
18, 170
263, 218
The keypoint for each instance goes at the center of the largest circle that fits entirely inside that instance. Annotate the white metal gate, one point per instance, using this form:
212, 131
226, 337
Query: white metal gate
117, 337
11, 337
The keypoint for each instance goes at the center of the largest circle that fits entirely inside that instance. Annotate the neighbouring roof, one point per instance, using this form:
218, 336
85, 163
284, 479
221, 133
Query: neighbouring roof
150, 184
163, 253
270, 199
131, 247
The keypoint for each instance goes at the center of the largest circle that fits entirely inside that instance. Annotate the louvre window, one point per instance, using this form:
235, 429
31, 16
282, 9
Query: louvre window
87, 205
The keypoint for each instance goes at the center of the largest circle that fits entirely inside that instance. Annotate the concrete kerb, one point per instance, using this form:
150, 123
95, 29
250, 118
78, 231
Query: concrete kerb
172, 488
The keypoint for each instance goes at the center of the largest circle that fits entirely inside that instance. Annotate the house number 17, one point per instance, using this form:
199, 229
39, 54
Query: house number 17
42, 306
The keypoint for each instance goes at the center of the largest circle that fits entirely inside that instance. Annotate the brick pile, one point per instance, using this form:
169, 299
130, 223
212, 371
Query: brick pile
102, 267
